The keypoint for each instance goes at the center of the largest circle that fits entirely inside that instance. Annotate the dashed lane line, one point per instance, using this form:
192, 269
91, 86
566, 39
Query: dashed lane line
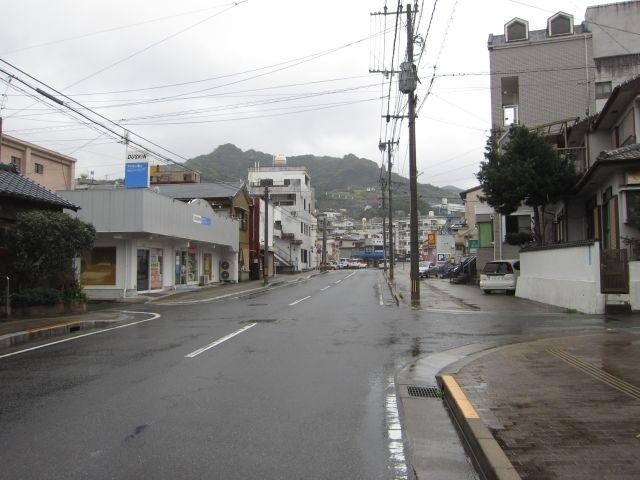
300, 300
217, 342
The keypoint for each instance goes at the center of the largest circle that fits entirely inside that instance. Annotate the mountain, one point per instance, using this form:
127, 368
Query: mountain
349, 182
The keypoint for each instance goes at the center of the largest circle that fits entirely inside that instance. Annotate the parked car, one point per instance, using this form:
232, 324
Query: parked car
500, 275
424, 268
343, 263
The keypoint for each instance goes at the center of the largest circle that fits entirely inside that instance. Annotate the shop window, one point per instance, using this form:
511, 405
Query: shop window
98, 266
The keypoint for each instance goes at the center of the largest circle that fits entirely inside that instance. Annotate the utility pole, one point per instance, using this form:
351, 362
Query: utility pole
408, 83
265, 260
384, 226
391, 253
324, 240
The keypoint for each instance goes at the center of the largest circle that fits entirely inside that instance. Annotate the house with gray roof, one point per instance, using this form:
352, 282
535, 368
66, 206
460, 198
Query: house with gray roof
593, 264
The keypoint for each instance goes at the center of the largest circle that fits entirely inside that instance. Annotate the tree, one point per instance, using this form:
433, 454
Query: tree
42, 246
527, 170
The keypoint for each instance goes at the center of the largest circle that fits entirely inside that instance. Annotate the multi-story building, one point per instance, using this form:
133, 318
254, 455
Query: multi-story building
551, 77
50, 169
290, 189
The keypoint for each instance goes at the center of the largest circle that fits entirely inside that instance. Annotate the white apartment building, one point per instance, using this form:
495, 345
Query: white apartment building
295, 223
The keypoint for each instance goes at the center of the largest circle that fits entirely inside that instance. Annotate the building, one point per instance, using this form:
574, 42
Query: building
230, 199
148, 242
551, 77
291, 192
172, 174
50, 169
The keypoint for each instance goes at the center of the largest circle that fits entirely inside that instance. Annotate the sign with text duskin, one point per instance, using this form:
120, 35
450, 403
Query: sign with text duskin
136, 174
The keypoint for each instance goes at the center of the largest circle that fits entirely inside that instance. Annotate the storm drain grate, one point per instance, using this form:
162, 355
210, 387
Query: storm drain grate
426, 392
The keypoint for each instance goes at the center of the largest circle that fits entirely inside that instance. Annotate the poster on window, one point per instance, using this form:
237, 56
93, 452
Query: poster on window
155, 268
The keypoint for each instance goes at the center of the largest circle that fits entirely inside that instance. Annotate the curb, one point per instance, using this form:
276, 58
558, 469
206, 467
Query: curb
18, 338
393, 290
485, 452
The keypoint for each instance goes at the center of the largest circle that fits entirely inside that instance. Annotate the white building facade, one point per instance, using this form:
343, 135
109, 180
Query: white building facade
294, 217
147, 242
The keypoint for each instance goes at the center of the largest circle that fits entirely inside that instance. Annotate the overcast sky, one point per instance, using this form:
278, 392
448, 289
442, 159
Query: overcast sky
279, 76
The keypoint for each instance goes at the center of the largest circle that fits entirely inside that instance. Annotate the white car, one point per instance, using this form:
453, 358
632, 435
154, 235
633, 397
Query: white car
500, 275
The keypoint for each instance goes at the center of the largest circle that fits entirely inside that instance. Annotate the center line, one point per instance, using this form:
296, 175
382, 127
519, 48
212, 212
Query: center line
220, 340
337, 282
298, 301
323, 289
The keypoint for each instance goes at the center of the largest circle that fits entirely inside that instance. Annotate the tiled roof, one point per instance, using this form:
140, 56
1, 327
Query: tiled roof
14, 185
629, 152
200, 190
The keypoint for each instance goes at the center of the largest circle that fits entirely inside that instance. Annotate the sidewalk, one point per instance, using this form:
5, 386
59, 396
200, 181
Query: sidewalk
565, 408
105, 314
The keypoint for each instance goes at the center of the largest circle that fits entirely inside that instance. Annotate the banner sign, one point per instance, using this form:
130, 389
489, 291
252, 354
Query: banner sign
136, 175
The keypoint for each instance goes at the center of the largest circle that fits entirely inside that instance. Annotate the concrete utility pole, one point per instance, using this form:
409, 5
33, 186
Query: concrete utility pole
384, 225
265, 260
324, 240
391, 253
408, 81
388, 145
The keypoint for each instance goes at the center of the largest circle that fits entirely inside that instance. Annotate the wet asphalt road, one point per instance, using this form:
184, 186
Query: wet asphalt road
301, 392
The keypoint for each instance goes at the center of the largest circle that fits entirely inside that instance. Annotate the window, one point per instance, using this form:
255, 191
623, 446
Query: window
625, 131
603, 89
560, 24
516, 30
15, 161
38, 168
98, 267
632, 198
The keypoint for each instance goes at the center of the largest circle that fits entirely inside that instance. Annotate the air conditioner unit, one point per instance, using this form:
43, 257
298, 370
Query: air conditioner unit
225, 275
294, 214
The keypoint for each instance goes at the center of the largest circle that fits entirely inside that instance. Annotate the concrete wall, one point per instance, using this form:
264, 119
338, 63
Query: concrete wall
567, 277
608, 42
634, 285
142, 210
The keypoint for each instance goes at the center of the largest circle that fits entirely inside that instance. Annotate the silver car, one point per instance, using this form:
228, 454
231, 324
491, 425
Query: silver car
500, 275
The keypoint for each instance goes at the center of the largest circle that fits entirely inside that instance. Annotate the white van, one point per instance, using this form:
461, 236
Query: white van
500, 275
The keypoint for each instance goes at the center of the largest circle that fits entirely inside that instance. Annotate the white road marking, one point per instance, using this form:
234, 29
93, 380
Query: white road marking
350, 275
212, 299
323, 289
220, 340
298, 301
153, 317
337, 281
394, 432
380, 294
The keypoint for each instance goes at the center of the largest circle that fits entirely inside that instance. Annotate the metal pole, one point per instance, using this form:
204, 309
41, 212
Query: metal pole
391, 254
265, 261
413, 177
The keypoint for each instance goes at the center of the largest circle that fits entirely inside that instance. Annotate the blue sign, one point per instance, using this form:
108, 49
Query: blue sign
202, 220
441, 257
136, 175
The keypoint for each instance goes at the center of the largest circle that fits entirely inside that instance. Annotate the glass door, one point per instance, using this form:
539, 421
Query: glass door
142, 274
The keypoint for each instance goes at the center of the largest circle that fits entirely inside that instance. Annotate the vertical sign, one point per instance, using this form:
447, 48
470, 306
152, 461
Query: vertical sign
136, 173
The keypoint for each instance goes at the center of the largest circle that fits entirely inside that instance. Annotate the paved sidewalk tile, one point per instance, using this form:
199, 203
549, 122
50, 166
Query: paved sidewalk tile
555, 408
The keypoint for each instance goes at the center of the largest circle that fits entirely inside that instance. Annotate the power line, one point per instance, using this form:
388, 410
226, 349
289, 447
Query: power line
108, 129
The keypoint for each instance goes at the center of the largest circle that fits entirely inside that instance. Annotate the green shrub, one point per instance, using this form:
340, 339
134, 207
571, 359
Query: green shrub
73, 293
35, 296
519, 238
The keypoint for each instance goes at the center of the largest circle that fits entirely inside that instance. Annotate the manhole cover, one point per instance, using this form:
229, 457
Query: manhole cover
427, 392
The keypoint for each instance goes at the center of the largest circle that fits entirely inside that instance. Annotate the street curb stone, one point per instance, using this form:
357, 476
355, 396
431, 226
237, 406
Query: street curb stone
489, 458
